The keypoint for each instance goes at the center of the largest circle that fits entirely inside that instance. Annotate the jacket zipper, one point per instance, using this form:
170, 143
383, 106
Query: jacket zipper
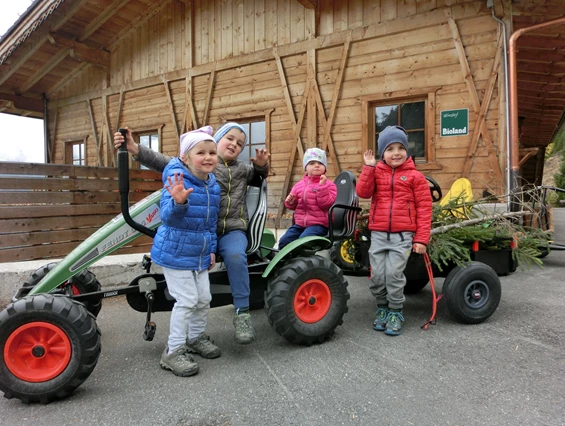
229, 198
391, 202
206, 223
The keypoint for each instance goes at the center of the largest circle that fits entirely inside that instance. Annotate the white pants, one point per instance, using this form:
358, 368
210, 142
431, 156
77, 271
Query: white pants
191, 290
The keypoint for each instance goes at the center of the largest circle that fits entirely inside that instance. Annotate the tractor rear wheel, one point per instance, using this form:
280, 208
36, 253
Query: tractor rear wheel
306, 299
49, 344
81, 283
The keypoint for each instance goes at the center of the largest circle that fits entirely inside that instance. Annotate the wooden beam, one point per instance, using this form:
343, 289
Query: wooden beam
171, 105
211, 85
44, 70
53, 136
120, 108
528, 153
108, 12
94, 132
308, 4
67, 79
480, 123
189, 105
322, 114
312, 118
468, 78
81, 51
17, 64
22, 102
108, 129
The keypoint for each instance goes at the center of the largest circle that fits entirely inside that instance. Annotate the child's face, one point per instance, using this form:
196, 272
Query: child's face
202, 159
315, 168
395, 154
231, 144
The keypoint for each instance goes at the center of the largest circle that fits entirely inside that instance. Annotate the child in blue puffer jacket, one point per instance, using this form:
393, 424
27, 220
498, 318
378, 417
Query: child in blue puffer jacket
185, 246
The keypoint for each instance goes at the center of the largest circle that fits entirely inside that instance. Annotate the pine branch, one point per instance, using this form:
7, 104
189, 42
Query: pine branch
445, 228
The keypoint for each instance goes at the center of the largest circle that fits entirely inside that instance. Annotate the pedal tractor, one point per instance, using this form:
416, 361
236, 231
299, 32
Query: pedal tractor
49, 339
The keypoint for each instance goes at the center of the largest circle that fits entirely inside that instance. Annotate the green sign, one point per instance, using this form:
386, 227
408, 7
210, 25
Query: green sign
454, 122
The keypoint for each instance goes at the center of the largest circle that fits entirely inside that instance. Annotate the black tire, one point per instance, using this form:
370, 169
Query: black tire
81, 283
342, 254
316, 320
472, 292
25, 327
414, 286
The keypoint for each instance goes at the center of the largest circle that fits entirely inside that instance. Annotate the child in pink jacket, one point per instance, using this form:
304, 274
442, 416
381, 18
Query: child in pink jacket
311, 198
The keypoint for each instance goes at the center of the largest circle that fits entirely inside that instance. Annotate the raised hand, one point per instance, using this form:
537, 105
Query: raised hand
369, 158
323, 179
261, 157
175, 187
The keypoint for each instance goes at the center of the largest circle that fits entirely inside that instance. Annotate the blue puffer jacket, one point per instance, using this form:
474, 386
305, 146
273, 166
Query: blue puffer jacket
187, 234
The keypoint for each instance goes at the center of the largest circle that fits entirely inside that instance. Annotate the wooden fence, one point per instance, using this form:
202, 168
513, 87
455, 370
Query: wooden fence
46, 210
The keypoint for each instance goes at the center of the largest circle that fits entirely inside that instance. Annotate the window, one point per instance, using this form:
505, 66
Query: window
412, 109
255, 131
410, 115
149, 138
75, 152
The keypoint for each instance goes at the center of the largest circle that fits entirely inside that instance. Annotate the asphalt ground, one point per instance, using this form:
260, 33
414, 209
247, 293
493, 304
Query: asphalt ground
508, 370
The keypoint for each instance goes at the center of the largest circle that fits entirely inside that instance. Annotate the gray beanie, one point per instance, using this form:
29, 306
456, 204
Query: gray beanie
389, 135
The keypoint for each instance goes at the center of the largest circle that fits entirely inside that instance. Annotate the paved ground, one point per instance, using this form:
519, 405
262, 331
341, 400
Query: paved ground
507, 371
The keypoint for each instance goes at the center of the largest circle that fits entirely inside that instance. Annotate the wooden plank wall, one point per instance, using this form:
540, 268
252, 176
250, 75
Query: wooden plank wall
46, 210
309, 75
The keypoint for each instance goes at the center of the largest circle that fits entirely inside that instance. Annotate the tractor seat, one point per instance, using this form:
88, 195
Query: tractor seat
257, 209
342, 216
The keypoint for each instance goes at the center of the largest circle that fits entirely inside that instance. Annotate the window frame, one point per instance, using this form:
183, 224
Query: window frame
249, 117
143, 132
68, 155
428, 95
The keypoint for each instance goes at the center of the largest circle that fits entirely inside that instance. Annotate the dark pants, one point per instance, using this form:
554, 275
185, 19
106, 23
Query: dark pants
295, 232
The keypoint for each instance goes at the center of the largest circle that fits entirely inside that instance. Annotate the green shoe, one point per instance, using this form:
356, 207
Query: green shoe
203, 346
244, 333
179, 362
394, 322
379, 323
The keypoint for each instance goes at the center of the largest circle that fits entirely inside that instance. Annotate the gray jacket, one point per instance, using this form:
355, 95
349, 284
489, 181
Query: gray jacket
233, 178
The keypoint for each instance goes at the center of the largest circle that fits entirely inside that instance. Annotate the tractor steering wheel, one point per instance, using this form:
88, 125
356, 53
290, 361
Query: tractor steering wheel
434, 189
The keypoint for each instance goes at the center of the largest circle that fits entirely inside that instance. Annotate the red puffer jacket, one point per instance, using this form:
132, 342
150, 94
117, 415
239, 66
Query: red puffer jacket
312, 201
401, 199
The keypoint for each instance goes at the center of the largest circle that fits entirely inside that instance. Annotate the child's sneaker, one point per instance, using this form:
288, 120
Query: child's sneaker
180, 362
203, 346
244, 333
394, 322
381, 315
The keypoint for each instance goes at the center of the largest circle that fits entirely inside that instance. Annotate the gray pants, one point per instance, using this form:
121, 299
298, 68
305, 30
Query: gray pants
191, 290
388, 254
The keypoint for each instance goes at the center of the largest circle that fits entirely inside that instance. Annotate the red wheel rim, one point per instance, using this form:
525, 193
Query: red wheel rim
312, 301
37, 352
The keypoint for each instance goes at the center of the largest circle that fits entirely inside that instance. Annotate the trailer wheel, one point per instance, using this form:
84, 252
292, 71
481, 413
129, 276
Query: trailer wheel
343, 255
81, 283
49, 344
414, 286
306, 299
472, 292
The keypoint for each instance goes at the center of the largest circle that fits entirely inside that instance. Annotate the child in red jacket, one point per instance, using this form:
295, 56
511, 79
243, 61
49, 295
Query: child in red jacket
400, 221
311, 199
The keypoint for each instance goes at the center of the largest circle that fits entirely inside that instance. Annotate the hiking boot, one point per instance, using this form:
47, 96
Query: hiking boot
180, 362
244, 333
203, 346
394, 321
381, 315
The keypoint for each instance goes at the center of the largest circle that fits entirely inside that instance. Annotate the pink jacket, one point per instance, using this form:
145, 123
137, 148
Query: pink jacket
312, 201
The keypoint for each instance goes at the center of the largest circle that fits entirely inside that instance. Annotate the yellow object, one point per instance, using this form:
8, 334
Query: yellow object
460, 192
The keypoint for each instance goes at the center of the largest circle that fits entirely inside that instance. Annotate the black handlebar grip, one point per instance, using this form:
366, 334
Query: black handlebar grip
123, 147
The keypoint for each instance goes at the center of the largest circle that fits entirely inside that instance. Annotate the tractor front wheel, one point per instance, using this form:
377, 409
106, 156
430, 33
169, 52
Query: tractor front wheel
472, 292
49, 344
81, 283
306, 299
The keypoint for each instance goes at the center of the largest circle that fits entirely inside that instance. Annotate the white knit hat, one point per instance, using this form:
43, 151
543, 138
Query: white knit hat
189, 139
315, 154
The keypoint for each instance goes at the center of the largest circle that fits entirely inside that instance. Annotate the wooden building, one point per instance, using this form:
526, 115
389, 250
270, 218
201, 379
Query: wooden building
298, 74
